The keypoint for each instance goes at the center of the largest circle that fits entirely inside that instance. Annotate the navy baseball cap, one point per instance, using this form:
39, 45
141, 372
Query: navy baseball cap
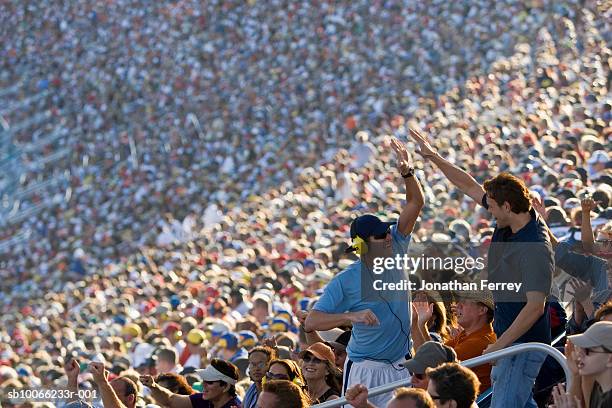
368, 225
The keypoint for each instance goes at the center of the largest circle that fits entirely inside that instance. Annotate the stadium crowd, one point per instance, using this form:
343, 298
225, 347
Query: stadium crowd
177, 244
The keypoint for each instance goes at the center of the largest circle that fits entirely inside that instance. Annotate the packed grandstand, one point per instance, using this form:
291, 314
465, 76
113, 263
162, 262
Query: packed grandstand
186, 188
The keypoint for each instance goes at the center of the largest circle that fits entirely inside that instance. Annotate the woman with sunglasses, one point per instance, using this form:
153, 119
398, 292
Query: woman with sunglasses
218, 382
285, 370
320, 372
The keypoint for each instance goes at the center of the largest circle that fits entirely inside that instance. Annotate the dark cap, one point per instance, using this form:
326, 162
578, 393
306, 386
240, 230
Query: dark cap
368, 225
430, 355
341, 341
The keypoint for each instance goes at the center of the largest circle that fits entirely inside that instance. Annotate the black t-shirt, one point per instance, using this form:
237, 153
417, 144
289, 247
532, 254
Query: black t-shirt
198, 402
524, 257
600, 399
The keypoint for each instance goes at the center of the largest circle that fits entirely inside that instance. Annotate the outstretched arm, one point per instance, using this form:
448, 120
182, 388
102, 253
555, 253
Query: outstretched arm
414, 194
164, 396
100, 377
586, 230
460, 178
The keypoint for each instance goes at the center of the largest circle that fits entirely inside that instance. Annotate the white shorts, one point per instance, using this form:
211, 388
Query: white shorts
373, 374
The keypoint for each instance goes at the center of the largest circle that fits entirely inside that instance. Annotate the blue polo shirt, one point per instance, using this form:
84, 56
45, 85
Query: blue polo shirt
526, 257
387, 342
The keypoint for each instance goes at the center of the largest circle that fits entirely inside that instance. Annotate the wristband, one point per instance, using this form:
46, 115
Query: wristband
409, 173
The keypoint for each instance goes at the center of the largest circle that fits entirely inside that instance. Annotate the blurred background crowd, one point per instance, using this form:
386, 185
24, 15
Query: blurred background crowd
179, 176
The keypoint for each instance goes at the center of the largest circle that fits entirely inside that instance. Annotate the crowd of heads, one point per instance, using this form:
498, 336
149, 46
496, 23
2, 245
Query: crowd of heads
218, 152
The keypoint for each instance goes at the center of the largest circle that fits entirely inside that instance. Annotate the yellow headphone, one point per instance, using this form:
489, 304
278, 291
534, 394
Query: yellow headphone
361, 247
296, 381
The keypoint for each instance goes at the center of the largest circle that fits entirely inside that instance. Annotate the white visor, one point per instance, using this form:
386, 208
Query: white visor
210, 373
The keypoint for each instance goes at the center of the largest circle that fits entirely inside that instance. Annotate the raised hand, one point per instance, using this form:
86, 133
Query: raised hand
271, 342
72, 370
563, 399
587, 204
571, 356
424, 311
404, 161
366, 317
147, 381
538, 205
425, 148
580, 290
301, 316
100, 375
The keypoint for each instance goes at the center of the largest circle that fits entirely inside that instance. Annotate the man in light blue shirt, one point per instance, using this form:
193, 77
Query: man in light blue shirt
381, 322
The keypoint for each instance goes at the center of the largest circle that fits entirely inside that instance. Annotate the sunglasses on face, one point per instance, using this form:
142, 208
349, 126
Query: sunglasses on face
272, 376
588, 351
211, 382
382, 236
311, 359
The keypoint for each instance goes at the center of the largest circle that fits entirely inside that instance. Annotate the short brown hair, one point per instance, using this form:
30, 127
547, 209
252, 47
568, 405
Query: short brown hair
508, 188
175, 383
603, 311
420, 397
268, 351
288, 393
454, 382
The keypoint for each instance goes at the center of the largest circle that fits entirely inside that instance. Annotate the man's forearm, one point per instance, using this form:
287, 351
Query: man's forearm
414, 192
586, 232
460, 178
161, 395
530, 313
73, 387
317, 320
109, 398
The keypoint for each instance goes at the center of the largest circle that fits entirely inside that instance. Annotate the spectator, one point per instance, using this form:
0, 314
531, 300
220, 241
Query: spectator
194, 351
475, 316
230, 348
320, 372
285, 370
369, 348
167, 361
218, 379
589, 356
451, 385
282, 394
430, 354
524, 242
259, 359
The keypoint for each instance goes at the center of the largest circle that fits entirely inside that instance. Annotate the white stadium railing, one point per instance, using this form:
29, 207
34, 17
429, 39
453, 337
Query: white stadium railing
473, 362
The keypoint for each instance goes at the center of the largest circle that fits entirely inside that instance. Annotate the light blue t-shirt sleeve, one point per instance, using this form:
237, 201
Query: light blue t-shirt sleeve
400, 241
333, 299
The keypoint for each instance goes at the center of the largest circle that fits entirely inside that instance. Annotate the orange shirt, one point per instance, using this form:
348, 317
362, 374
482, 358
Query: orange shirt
472, 345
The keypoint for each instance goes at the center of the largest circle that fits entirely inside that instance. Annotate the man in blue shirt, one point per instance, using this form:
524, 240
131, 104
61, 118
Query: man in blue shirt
381, 322
520, 252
